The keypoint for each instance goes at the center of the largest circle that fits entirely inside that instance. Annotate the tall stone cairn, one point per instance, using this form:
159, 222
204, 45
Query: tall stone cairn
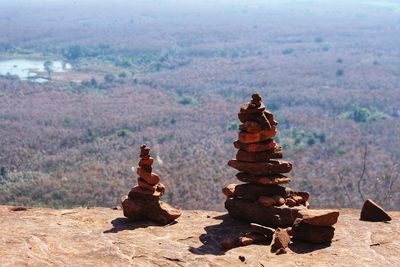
261, 199
143, 201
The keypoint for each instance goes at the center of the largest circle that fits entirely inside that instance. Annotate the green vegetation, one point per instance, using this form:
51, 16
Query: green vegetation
48, 66
233, 125
339, 72
297, 139
362, 114
188, 101
74, 52
109, 78
287, 51
123, 132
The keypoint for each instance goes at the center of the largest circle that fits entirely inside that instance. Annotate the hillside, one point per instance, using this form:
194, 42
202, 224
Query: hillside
173, 74
102, 237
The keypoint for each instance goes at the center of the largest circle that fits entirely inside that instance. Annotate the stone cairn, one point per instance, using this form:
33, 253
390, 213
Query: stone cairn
143, 201
262, 199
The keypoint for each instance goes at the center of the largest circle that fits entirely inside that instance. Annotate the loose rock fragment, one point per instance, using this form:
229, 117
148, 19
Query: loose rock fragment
373, 212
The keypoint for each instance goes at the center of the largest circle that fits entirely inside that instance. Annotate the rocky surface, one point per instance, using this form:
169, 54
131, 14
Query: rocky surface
103, 237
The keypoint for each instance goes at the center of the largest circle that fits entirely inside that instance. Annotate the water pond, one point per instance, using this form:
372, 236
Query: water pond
27, 69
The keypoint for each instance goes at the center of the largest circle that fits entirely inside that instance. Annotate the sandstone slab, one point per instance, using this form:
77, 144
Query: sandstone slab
260, 136
320, 217
262, 168
256, 147
263, 179
102, 237
312, 233
252, 192
272, 216
155, 210
263, 156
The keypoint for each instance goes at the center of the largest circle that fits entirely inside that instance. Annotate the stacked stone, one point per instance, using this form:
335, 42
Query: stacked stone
143, 201
261, 199
315, 226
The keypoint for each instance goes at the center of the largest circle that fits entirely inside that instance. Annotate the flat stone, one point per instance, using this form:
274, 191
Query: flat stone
138, 192
255, 213
154, 210
250, 108
279, 201
373, 212
262, 179
151, 178
304, 195
146, 162
258, 117
312, 233
144, 151
258, 228
281, 239
260, 136
320, 217
143, 184
291, 202
158, 187
262, 168
270, 118
251, 127
256, 147
275, 153
252, 192
266, 201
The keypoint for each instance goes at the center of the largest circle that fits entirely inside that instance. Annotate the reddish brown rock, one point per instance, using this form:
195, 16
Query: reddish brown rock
144, 151
269, 216
281, 239
304, 195
151, 178
258, 117
143, 184
138, 192
373, 212
262, 168
156, 210
266, 201
270, 118
299, 199
146, 162
256, 147
262, 179
319, 217
312, 233
291, 202
252, 192
250, 108
252, 238
229, 190
251, 127
262, 135
259, 156
279, 201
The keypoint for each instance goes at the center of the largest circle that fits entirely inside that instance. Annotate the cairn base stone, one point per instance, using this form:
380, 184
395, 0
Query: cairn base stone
154, 210
312, 233
273, 216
